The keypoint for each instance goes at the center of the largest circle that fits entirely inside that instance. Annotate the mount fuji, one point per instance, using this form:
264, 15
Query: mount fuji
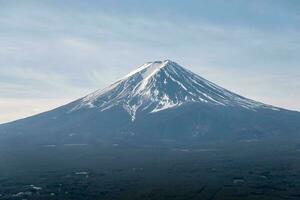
159, 101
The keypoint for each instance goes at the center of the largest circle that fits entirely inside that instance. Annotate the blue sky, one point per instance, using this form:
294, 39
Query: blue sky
52, 52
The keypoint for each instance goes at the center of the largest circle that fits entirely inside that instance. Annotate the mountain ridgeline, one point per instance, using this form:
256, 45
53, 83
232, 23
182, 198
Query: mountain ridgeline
157, 102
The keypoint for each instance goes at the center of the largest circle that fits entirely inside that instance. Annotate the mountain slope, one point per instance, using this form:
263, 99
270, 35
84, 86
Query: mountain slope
159, 100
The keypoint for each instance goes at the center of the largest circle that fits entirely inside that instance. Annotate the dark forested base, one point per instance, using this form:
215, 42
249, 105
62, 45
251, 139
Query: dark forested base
248, 169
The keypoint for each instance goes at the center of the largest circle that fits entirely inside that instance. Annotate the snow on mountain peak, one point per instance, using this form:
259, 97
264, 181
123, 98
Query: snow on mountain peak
150, 67
160, 85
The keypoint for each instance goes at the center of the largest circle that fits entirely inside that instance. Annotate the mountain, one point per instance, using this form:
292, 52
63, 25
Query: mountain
159, 101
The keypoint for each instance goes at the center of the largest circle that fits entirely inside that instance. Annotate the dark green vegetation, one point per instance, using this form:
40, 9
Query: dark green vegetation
249, 169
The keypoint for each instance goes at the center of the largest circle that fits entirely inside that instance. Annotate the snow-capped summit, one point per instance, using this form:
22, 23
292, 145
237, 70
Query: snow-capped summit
160, 85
